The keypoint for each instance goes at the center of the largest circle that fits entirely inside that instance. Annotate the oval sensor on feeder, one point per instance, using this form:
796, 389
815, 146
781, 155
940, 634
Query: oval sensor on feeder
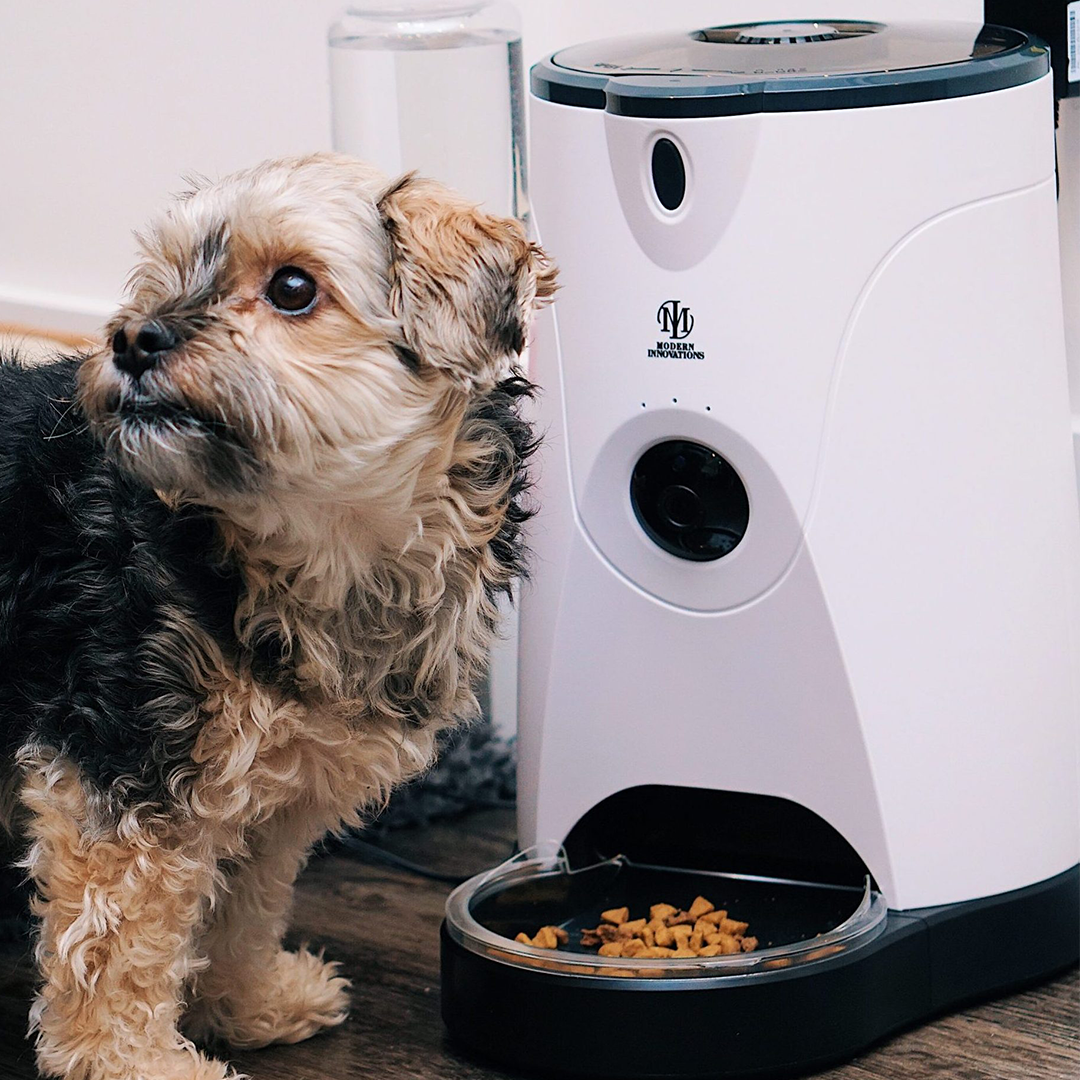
668, 174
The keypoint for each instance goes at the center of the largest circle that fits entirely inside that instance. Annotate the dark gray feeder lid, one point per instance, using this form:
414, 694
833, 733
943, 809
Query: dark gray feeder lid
791, 66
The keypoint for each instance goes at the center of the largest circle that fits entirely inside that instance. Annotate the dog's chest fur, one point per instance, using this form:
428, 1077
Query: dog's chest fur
133, 645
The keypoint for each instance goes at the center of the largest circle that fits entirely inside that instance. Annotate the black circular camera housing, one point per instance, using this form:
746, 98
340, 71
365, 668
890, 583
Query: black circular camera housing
689, 500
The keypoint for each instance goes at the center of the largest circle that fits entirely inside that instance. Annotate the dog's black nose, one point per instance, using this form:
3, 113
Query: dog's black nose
152, 341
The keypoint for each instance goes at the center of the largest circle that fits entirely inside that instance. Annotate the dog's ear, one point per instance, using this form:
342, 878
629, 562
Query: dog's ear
463, 284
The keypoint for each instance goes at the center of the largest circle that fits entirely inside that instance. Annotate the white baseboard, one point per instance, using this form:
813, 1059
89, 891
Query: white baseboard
54, 313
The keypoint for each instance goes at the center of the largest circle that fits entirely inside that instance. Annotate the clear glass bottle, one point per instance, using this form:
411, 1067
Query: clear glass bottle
436, 86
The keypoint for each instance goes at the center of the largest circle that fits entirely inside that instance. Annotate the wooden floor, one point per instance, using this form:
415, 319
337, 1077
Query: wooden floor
383, 925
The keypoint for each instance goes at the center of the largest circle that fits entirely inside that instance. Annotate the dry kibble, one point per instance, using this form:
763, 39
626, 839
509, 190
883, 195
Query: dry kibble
679, 918
700, 907
681, 933
546, 938
668, 932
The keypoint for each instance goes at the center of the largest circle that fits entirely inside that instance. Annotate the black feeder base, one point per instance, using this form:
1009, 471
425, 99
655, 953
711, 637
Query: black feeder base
785, 1023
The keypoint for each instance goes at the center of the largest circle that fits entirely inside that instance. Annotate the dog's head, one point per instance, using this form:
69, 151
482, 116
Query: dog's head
308, 326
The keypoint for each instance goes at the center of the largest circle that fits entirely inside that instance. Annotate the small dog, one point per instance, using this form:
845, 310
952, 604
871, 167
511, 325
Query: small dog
249, 558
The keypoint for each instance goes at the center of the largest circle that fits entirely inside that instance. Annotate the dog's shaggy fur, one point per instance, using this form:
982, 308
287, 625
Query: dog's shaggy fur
242, 591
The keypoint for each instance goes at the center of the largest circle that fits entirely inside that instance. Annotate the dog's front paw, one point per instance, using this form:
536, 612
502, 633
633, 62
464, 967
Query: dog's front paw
191, 1066
298, 996
130, 1063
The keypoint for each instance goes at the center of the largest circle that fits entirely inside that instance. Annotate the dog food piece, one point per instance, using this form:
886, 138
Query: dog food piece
709, 950
603, 934
697, 939
683, 954
633, 947
665, 937
700, 907
631, 929
680, 918
681, 933
714, 917
648, 936
546, 938
661, 911
728, 944
732, 926
611, 948
749, 944
704, 928
617, 915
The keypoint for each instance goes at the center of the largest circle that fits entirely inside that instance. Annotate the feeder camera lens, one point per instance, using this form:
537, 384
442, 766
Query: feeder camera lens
680, 506
689, 500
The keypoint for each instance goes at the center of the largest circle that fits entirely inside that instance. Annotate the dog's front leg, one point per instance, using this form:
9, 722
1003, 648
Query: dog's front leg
118, 906
254, 992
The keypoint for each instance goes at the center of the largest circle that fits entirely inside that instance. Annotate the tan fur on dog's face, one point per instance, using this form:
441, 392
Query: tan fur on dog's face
421, 301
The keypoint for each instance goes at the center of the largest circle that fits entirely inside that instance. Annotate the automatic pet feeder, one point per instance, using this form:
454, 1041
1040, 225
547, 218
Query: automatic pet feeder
800, 633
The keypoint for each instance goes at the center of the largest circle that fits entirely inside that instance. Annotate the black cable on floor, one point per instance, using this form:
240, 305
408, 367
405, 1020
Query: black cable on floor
373, 853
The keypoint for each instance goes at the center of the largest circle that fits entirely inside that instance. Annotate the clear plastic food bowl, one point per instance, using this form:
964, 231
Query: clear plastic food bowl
795, 922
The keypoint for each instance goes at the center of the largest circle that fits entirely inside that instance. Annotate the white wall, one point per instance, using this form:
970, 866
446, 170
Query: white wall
104, 107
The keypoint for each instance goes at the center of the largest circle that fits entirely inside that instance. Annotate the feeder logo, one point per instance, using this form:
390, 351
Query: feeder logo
677, 321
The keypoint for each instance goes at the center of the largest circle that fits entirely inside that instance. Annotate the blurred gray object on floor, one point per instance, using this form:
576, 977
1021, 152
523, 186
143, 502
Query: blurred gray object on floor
476, 769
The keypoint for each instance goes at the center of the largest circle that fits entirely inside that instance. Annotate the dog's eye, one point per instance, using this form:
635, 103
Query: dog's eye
291, 290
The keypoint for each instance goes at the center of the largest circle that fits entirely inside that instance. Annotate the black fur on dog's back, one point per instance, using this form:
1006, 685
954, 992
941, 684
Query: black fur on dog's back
94, 570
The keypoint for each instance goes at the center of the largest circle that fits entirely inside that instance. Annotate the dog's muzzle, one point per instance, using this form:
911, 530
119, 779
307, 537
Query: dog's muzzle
138, 349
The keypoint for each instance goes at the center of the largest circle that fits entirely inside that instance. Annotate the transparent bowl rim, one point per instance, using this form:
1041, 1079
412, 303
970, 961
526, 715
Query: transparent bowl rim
549, 859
